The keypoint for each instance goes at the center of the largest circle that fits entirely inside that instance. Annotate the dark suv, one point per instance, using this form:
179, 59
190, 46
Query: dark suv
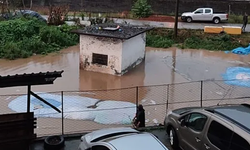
225, 127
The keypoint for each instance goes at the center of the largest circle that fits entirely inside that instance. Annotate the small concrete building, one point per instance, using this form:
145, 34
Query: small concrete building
112, 48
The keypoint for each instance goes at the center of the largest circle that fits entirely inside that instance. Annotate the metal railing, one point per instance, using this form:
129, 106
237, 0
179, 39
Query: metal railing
83, 111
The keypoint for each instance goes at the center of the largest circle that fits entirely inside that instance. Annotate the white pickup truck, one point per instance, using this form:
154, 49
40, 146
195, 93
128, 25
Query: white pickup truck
204, 14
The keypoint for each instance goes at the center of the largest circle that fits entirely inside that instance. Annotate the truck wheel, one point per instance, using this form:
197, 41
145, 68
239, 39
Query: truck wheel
173, 139
189, 19
216, 20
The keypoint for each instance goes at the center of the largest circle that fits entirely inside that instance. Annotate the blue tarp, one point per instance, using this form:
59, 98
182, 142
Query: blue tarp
240, 50
239, 76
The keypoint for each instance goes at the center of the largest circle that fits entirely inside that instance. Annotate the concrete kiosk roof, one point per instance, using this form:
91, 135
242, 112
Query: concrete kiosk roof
118, 31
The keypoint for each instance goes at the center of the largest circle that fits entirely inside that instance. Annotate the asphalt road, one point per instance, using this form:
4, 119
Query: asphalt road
181, 25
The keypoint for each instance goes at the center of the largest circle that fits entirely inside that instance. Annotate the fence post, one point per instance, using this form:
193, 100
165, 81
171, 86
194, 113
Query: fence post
167, 96
201, 98
62, 114
137, 96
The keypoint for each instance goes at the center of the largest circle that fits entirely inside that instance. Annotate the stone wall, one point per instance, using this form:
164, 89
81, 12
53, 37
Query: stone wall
159, 6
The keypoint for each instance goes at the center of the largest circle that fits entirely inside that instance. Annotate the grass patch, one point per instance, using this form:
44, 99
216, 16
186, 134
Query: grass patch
23, 37
195, 39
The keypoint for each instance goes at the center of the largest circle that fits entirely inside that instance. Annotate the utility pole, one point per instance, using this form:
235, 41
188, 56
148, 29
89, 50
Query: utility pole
176, 18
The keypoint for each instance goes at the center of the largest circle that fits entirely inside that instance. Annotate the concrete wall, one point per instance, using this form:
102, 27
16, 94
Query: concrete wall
99, 45
133, 52
158, 6
123, 55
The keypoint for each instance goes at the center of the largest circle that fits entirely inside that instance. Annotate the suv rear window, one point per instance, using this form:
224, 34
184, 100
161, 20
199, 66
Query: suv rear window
238, 143
219, 135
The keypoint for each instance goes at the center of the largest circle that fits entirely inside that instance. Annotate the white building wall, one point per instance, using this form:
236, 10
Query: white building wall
100, 45
133, 52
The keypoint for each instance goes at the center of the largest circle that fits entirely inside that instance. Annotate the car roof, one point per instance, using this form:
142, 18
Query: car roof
143, 141
107, 132
237, 114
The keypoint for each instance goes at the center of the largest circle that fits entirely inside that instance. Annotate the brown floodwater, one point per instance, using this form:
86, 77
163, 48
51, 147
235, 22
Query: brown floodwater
189, 65
161, 66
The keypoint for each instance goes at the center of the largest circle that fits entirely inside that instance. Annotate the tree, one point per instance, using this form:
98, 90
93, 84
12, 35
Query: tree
31, 4
23, 4
141, 9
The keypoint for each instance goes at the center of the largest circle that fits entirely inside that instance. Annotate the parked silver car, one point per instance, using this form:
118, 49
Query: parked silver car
225, 127
120, 139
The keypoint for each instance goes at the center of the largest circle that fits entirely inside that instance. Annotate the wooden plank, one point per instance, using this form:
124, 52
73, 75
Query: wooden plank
18, 139
16, 116
23, 121
17, 128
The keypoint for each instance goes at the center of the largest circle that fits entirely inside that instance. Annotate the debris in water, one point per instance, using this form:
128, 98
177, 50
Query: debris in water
152, 102
155, 121
219, 93
144, 100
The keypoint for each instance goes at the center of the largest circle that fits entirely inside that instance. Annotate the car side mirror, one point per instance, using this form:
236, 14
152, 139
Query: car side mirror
183, 122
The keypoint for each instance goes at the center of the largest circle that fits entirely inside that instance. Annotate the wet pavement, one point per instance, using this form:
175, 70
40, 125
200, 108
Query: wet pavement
72, 143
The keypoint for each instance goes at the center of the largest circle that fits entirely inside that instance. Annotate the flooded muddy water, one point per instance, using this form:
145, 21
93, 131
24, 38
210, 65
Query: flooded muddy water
161, 66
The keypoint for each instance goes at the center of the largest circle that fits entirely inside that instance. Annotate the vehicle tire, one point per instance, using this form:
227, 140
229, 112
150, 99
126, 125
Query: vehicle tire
189, 19
216, 20
54, 143
173, 139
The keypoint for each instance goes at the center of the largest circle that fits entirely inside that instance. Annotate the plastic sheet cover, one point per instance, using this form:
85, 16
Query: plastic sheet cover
240, 50
239, 76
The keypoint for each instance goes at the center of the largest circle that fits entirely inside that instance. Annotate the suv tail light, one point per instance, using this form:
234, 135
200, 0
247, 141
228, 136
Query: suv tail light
227, 16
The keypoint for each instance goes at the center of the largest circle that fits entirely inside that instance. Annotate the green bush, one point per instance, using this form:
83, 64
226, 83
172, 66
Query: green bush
159, 41
141, 9
235, 18
195, 39
220, 42
22, 37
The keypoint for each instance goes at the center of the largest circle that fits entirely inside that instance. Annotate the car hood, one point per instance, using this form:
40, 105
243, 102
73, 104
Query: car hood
107, 132
186, 14
184, 110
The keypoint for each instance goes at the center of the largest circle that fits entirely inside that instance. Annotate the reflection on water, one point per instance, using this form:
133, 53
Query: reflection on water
161, 66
